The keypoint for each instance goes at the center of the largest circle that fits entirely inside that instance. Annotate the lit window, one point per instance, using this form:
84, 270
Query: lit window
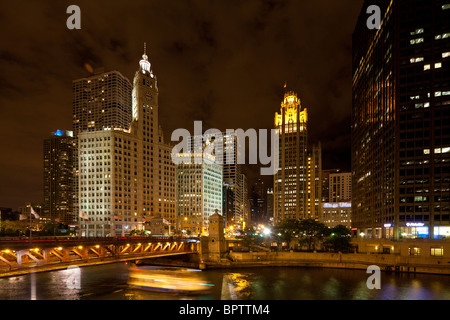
418, 31
438, 151
445, 6
426, 151
415, 60
417, 41
438, 65
414, 251
446, 150
426, 105
446, 55
437, 252
442, 36
426, 67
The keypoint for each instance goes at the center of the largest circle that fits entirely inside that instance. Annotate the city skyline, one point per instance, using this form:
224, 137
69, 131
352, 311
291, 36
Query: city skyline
136, 164
211, 64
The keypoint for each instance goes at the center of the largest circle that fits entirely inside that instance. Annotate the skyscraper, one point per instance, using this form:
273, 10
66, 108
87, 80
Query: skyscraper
232, 173
102, 101
291, 181
314, 197
109, 184
246, 219
400, 121
59, 177
158, 178
99, 102
199, 194
258, 203
326, 183
126, 175
269, 198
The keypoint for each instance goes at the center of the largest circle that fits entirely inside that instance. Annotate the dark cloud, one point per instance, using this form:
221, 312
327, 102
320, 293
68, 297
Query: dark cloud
223, 62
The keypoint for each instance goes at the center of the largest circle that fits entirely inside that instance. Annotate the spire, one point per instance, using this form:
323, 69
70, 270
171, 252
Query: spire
144, 63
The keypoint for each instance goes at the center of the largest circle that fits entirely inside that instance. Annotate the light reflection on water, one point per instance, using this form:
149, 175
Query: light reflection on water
109, 282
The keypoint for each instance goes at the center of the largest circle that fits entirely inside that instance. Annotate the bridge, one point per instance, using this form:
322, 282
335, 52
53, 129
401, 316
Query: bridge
44, 254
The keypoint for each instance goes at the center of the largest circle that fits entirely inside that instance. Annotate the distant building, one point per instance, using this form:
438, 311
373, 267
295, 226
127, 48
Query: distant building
314, 197
326, 184
337, 213
337, 208
25, 211
59, 177
269, 199
228, 205
199, 193
258, 203
246, 218
232, 173
340, 187
8, 214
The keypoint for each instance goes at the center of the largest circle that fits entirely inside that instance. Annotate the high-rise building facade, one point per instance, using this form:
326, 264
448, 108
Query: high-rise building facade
246, 218
59, 177
199, 193
227, 155
314, 197
258, 202
269, 199
109, 183
337, 208
102, 101
326, 183
158, 178
340, 187
99, 102
125, 172
290, 182
228, 205
401, 121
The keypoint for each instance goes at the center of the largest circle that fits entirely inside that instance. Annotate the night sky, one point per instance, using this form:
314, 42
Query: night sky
222, 62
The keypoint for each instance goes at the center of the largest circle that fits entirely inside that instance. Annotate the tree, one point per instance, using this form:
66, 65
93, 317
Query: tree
14, 228
54, 229
249, 238
312, 232
136, 232
286, 231
339, 240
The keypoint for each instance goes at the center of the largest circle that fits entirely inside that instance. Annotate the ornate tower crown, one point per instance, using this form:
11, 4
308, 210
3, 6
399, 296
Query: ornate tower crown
144, 63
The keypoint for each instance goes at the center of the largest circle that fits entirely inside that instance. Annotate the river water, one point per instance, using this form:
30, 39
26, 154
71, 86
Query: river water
109, 282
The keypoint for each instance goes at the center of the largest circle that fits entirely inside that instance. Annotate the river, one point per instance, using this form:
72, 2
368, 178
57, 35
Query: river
109, 282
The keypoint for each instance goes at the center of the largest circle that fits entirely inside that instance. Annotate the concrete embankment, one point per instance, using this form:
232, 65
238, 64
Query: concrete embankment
393, 263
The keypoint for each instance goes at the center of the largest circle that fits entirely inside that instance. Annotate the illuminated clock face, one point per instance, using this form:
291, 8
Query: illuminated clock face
149, 96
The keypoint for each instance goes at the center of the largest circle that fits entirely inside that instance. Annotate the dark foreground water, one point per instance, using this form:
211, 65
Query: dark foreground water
109, 282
